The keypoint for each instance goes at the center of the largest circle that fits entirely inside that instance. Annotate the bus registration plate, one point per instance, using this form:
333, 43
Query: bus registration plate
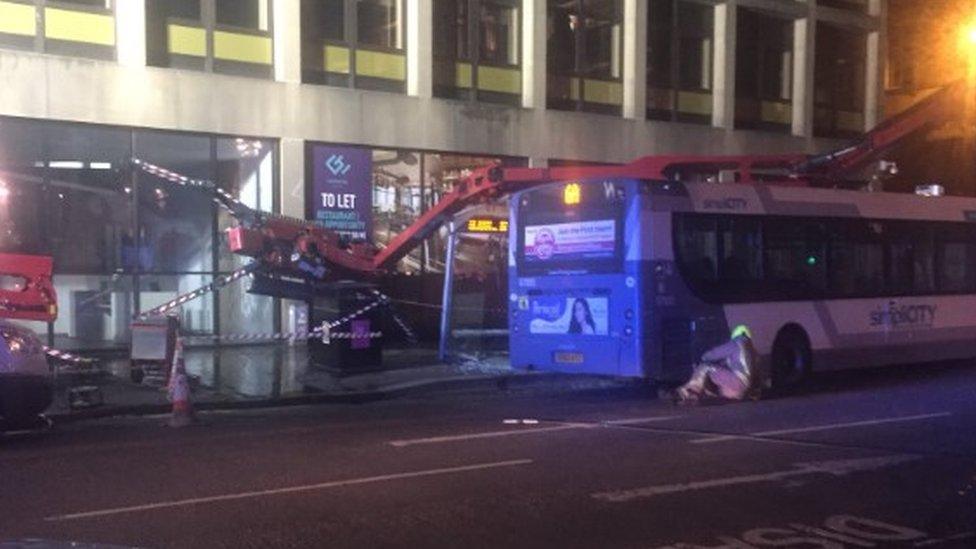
561, 357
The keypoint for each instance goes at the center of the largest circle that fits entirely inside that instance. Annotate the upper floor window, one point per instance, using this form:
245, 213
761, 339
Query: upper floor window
354, 43
228, 36
679, 60
584, 50
763, 71
839, 81
477, 50
79, 28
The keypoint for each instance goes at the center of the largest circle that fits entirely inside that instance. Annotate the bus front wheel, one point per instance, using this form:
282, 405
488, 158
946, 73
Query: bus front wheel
791, 358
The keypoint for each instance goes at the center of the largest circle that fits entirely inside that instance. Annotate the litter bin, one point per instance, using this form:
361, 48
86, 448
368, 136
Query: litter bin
347, 354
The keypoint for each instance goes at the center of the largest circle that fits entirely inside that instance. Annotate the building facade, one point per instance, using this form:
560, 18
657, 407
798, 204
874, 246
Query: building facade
249, 92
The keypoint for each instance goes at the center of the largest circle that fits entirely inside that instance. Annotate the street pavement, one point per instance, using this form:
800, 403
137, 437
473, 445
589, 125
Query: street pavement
864, 459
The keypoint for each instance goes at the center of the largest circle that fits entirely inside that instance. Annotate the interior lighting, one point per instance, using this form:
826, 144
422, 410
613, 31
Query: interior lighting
66, 164
247, 148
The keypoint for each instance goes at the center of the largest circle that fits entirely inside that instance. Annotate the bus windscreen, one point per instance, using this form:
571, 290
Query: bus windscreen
571, 227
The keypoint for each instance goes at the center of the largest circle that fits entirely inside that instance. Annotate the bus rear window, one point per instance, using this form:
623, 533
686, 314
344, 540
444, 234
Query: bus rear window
571, 228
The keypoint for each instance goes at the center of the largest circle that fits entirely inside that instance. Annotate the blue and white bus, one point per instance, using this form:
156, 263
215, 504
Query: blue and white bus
637, 278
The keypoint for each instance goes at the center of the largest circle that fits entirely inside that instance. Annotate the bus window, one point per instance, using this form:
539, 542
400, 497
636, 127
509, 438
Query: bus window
697, 241
956, 257
741, 244
856, 260
794, 258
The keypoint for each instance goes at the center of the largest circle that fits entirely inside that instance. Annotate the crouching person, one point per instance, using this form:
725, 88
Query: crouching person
729, 371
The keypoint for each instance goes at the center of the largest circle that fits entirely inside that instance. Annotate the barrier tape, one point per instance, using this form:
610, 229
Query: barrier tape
286, 336
66, 356
213, 286
411, 337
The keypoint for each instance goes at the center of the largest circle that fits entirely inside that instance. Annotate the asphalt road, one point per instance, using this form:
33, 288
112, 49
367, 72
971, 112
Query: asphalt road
872, 459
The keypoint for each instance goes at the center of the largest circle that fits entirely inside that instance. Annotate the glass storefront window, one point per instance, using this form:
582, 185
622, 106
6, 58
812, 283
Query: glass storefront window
679, 61
585, 44
94, 311
397, 200
354, 43
175, 222
764, 71
245, 169
196, 316
22, 189
86, 171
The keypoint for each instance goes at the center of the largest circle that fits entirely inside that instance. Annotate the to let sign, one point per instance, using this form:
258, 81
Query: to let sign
341, 190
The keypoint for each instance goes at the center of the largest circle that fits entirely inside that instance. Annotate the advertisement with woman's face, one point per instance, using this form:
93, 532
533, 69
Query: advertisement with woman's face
569, 315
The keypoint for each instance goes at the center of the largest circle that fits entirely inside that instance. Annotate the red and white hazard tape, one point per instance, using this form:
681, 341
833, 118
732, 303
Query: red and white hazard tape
286, 336
203, 290
66, 356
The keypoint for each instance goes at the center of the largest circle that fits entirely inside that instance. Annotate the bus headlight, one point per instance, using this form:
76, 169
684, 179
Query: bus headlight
628, 331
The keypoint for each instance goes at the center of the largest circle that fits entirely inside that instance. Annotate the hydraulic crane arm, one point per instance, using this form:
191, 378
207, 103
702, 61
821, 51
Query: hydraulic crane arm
26, 291
938, 108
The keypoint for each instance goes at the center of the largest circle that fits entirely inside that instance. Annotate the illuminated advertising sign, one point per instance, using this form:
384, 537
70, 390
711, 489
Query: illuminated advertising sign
569, 315
570, 241
341, 190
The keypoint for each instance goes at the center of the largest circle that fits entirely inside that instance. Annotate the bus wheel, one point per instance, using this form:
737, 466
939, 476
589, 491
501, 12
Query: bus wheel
791, 358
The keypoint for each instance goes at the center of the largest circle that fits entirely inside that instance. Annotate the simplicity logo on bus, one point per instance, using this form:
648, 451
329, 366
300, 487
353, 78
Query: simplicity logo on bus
908, 316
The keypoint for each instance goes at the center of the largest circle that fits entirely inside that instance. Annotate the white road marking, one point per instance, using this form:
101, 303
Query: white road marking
288, 490
865, 423
835, 467
517, 432
938, 541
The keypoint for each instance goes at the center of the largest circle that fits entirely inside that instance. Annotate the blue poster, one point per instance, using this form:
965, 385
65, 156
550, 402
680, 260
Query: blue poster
341, 190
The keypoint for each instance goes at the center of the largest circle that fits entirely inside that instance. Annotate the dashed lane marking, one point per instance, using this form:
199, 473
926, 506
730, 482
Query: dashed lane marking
288, 490
834, 467
815, 428
530, 431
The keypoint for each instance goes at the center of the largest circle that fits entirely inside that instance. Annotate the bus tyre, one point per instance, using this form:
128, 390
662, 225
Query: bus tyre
791, 359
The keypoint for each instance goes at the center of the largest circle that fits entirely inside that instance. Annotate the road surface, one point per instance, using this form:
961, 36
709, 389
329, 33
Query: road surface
869, 459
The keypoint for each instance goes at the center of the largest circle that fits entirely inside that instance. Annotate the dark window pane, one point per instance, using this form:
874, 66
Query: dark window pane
697, 241
695, 46
248, 14
451, 29
957, 261
856, 259
602, 38
659, 43
741, 243
794, 257
379, 23
499, 34
561, 27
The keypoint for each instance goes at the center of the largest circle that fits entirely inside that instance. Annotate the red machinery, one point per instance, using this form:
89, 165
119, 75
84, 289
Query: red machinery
26, 291
295, 247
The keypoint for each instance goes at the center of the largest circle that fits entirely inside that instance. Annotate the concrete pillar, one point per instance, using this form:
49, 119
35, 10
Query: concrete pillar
534, 39
291, 201
291, 177
875, 65
130, 32
723, 92
420, 49
287, 24
635, 59
804, 39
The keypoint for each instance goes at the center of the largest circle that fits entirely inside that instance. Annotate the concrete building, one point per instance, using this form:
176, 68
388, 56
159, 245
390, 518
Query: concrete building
250, 92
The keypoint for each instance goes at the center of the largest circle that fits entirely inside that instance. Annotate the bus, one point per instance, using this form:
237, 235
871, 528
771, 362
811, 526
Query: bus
638, 278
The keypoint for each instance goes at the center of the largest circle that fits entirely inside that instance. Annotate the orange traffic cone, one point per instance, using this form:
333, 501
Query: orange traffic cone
179, 390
